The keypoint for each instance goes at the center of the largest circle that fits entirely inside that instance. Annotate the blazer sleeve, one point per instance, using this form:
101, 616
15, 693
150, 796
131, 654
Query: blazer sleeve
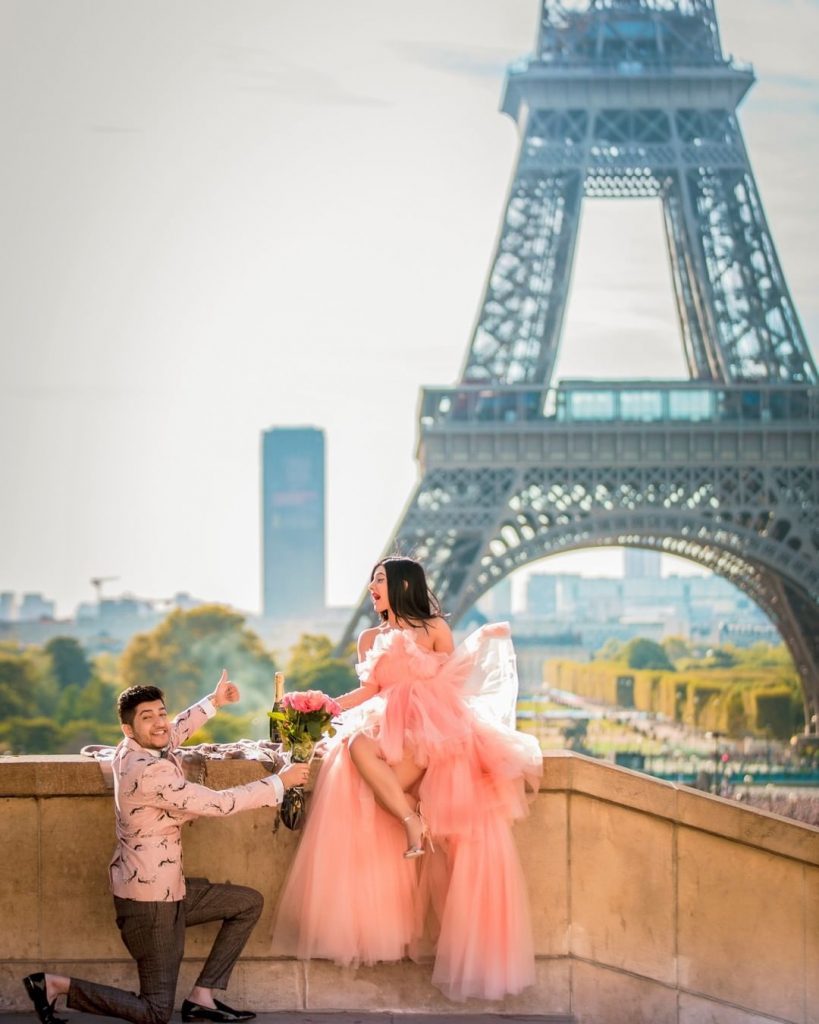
163, 787
187, 722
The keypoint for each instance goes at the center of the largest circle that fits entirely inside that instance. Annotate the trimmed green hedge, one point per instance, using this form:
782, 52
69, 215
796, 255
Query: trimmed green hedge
737, 701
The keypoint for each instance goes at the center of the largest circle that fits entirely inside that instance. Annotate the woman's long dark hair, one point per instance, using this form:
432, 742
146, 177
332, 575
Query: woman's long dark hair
407, 590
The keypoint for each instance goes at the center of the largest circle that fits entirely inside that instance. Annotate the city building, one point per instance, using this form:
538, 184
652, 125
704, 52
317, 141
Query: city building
702, 608
293, 546
641, 563
35, 607
497, 603
7, 605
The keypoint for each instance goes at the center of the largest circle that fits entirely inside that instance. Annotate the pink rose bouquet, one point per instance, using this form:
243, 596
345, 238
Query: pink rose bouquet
302, 719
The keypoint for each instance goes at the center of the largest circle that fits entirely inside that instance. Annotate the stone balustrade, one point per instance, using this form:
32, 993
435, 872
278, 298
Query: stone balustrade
652, 903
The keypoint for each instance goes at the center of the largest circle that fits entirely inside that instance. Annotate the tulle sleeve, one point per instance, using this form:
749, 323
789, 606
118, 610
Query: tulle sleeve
367, 668
491, 687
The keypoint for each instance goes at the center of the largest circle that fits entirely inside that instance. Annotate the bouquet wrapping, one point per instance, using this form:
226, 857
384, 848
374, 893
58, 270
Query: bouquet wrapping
301, 719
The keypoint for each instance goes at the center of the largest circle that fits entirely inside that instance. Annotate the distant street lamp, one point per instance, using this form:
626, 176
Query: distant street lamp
716, 737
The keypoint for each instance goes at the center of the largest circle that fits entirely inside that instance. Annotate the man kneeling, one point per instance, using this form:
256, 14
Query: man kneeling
154, 903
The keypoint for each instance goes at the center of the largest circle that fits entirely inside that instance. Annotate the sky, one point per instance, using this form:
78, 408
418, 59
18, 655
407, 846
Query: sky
225, 215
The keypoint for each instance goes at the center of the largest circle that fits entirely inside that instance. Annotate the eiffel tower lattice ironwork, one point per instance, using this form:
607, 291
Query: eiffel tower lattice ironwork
630, 98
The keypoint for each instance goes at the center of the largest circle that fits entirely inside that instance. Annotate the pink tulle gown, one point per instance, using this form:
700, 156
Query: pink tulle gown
351, 897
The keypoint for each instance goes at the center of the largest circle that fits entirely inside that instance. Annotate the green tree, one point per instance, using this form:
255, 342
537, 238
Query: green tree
69, 663
677, 648
643, 653
30, 735
762, 655
95, 702
721, 657
612, 650
312, 666
81, 732
27, 686
187, 651
228, 728
16, 683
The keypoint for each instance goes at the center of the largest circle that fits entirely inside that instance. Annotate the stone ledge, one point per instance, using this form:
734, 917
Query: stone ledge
682, 805
353, 1017
564, 771
652, 904
578, 990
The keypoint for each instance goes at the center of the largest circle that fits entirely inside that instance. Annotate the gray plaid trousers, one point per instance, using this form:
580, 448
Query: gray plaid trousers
154, 934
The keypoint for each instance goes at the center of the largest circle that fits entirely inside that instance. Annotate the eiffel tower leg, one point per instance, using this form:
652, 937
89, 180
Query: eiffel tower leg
798, 620
518, 328
738, 320
757, 334
693, 310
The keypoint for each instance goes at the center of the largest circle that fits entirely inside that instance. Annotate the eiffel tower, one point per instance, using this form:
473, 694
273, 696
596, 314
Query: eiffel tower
630, 98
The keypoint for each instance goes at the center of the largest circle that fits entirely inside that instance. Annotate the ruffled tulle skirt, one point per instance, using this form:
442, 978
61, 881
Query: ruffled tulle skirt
351, 897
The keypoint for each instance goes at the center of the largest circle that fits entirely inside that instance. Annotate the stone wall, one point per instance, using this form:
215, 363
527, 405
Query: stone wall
652, 902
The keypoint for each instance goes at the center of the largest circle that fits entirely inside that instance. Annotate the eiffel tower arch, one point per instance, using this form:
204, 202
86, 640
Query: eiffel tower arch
630, 98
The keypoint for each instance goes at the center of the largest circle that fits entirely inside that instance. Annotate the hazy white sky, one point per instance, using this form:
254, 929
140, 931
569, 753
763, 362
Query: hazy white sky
222, 215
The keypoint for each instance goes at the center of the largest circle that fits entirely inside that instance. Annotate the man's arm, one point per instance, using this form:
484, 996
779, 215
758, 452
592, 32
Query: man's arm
161, 786
186, 723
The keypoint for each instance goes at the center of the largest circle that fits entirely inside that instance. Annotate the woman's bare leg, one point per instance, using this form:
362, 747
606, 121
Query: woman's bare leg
389, 785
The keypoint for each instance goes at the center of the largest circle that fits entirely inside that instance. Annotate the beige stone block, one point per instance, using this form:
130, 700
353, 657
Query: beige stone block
77, 844
233, 772
13, 997
242, 849
542, 840
18, 777
622, 888
695, 1010
812, 945
51, 775
620, 785
406, 987
383, 987
19, 878
268, 985
751, 826
741, 925
77, 776
259, 985
551, 992
604, 996
557, 770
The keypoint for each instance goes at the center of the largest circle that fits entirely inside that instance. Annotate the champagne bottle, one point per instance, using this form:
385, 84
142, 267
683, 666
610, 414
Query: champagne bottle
278, 693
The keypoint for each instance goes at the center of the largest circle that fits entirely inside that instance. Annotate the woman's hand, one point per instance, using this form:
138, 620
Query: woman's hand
496, 629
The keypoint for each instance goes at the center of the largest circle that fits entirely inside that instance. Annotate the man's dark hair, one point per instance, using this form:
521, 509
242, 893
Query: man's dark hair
130, 699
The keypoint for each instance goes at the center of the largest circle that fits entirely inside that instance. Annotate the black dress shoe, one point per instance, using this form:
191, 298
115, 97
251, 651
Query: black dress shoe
236, 1014
36, 988
224, 1014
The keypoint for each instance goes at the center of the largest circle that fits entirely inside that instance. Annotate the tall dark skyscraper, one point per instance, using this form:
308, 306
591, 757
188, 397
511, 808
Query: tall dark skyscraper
292, 522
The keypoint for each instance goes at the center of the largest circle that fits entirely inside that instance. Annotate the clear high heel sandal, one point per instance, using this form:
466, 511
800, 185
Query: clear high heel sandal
419, 849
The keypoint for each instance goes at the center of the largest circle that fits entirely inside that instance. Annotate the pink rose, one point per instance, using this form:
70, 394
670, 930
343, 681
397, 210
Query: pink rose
314, 700
295, 701
311, 700
331, 706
